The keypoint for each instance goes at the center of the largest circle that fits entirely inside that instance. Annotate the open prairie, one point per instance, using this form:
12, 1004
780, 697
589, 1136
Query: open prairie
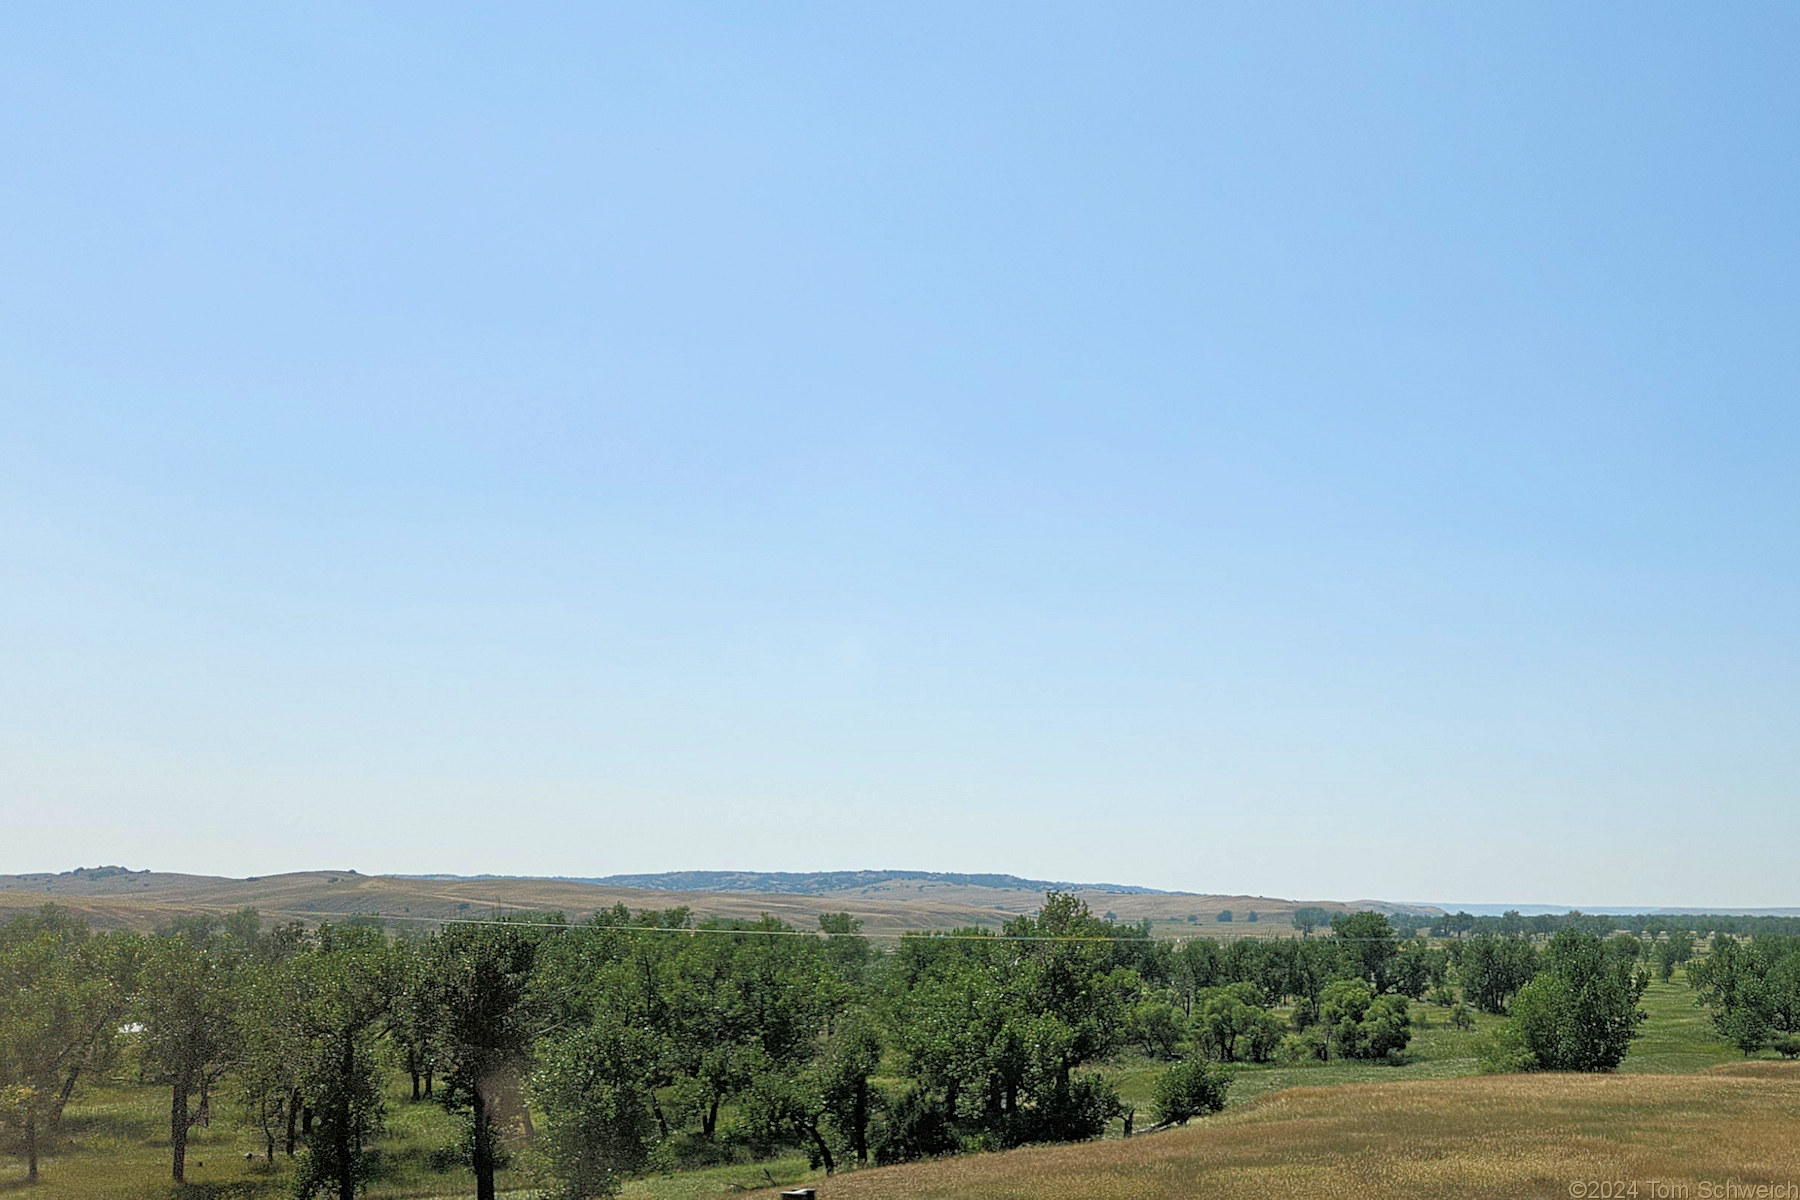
1489, 1136
145, 899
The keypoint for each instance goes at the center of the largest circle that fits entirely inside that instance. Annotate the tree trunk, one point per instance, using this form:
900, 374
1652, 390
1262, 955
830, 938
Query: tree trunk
346, 1165
31, 1149
859, 1123
178, 1128
428, 1085
710, 1121
662, 1121
824, 1148
62, 1100
293, 1118
415, 1085
484, 1148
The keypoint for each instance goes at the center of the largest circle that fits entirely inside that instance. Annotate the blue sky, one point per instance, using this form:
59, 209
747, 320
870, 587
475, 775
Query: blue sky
1313, 451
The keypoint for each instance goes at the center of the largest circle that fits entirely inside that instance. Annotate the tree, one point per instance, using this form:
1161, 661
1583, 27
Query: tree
1581, 1011
62, 994
1493, 969
1230, 1023
1308, 918
591, 1087
851, 1057
1361, 1024
1417, 968
480, 987
1190, 1088
994, 1031
1368, 945
267, 1072
411, 1024
1157, 1028
1224, 917
184, 1000
344, 993
1675, 949
1753, 988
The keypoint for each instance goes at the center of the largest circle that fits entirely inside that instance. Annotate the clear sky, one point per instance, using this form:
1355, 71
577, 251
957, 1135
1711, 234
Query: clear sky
1308, 450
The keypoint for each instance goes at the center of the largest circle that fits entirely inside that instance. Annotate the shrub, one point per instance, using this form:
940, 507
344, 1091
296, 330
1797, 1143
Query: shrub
1789, 1046
917, 1126
1462, 1017
1309, 1045
1504, 1052
1361, 1024
1191, 1088
1076, 1113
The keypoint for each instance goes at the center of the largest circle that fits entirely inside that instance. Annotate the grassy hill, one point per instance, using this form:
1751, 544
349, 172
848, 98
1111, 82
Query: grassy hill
1491, 1136
887, 902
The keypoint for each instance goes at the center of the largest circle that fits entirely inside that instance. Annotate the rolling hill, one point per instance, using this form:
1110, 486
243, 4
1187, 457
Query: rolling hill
888, 902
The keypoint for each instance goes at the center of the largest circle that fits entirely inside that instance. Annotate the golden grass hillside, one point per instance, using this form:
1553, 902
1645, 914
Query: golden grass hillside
145, 900
1507, 1136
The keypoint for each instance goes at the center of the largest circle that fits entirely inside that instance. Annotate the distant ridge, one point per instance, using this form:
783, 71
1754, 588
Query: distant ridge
819, 883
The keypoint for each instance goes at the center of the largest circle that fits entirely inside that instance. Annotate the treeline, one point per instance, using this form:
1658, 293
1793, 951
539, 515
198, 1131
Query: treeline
1649, 925
585, 1052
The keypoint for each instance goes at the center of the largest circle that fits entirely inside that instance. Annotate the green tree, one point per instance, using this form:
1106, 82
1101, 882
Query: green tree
1581, 1011
1308, 918
1675, 949
62, 994
1368, 945
185, 1000
1230, 1024
1190, 1088
1157, 1028
345, 992
851, 1057
1361, 1024
1493, 969
479, 979
591, 1087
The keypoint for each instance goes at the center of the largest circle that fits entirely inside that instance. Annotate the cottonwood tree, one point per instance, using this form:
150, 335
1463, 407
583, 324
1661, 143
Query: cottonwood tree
591, 1086
1368, 945
1493, 969
184, 999
62, 995
1581, 1010
1307, 918
344, 994
479, 985
1361, 1024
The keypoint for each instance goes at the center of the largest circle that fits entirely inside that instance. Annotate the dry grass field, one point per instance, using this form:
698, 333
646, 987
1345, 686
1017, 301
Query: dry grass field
147, 899
1492, 1137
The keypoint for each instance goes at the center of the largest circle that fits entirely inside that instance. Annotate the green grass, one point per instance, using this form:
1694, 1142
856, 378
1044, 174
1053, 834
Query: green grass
1676, 1038
117, 1148
1679, 1036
